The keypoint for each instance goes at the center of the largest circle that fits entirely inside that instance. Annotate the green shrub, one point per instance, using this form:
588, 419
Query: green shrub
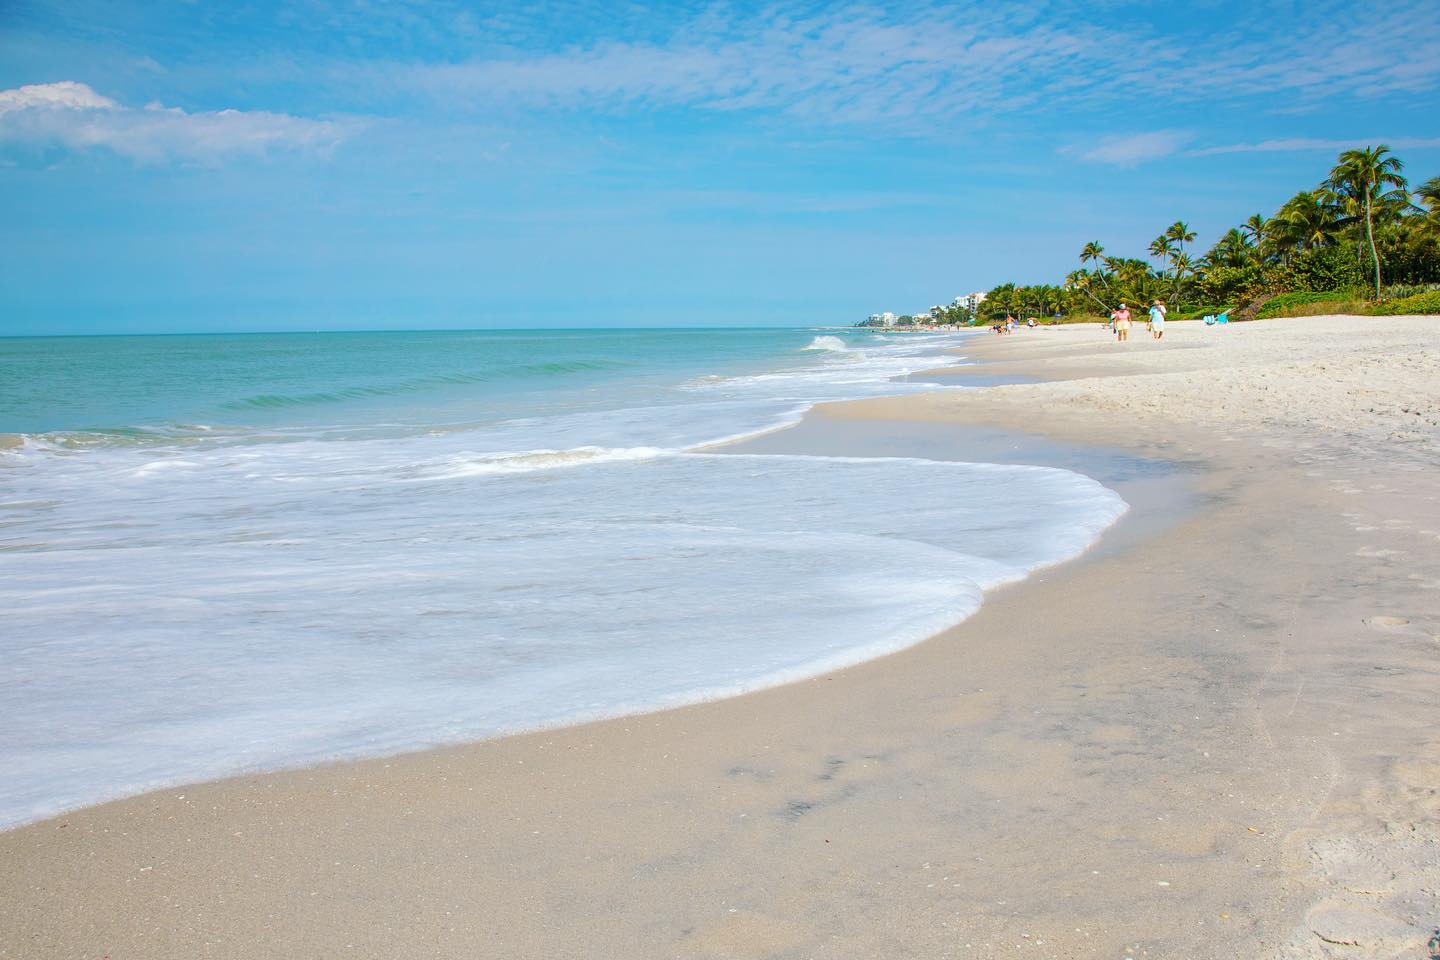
1200, 312
1420, 303
1336, 268
1221, 284
1291, 304
1325, 308
1408, 254
1397, 291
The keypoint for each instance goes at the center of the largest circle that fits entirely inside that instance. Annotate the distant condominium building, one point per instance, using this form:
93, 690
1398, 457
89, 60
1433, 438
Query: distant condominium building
970, 301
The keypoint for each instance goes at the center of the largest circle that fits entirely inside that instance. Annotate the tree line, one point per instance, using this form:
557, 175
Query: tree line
1362, 233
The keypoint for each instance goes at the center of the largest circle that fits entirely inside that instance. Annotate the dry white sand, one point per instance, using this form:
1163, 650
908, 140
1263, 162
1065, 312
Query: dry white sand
1215, 738
1331, 381
1340, 414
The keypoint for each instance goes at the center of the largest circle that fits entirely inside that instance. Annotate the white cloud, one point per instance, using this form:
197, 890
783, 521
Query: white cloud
66, 95
1132, 149
72, 115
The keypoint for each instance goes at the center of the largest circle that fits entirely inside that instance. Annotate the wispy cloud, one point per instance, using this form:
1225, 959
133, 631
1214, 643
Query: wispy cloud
1305, 61
941, 61
835, 67
929, 68
72, 115
1306, 144
1130, 150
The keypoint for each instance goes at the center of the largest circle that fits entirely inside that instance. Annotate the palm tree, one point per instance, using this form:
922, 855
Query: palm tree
1162, 247
1362, 176
1094, 253
1254, 229
1428, 193
1053, 300
1001, 300
1180, 232
1307, 221
1257, 231
1080, 280
1183, 266
1234, 249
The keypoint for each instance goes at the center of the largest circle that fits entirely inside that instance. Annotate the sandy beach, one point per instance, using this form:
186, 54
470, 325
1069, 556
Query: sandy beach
1212, 736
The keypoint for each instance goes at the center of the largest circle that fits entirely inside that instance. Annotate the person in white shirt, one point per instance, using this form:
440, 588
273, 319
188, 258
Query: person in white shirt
1157, 319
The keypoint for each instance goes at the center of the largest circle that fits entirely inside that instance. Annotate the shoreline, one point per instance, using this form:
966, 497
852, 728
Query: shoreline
465, 700
1119, 753
777, 441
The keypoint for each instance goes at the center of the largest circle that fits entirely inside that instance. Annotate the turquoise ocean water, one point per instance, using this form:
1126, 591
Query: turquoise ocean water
227, 553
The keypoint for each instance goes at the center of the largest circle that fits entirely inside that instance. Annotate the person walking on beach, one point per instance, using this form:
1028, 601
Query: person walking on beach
1122, 323
1157, 319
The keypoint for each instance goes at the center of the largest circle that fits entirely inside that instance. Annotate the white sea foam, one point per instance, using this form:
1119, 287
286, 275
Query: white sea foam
479, 465
213, 603
828, 343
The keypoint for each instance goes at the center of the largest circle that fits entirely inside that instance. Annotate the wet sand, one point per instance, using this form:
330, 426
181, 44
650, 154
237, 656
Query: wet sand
1213, 736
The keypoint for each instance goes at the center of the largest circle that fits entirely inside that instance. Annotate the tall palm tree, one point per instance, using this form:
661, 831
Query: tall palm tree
1182, 266
1180, 233
1369, 176
1092, 252
1162, 247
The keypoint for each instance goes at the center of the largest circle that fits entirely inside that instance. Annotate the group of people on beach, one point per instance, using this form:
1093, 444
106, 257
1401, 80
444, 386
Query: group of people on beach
1009, 324
1120, 321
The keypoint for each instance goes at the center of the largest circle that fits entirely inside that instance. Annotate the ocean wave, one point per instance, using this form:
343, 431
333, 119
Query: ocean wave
261, 624
827, 343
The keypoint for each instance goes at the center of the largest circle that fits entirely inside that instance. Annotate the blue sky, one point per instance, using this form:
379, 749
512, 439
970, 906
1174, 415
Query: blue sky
169, 166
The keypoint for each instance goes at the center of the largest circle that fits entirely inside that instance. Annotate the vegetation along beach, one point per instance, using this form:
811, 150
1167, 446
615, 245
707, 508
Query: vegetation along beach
1358, 243
719, 481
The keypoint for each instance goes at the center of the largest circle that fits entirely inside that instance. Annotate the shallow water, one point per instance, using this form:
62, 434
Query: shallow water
402, 545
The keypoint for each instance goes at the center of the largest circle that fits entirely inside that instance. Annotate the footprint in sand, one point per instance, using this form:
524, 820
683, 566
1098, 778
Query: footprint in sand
1357, 925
